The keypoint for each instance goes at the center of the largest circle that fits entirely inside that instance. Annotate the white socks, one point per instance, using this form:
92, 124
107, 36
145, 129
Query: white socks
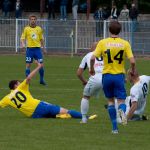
84, 108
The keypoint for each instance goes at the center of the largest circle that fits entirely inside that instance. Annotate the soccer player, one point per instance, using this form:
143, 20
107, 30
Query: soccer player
114, 51
21, 99
33, 36
136, 102
93, 85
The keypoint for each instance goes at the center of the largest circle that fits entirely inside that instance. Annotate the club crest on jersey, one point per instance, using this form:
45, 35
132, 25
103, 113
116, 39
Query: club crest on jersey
34, 36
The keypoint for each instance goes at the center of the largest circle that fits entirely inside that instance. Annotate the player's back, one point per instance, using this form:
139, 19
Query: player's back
140, 90
98, 65
114, 52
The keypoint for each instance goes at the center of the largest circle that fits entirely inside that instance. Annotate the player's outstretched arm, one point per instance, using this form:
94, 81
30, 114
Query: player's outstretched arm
33, 73
132, 110
80, 76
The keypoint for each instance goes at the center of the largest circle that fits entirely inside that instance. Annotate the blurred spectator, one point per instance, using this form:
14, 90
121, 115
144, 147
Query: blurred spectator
18, 9
75, 4
6, 8
133, 13
114, 12
99, 17
63, 9
106, 13
51, 9
124, 14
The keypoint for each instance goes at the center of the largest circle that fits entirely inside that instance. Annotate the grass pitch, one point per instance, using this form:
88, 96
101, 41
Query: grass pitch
18, 132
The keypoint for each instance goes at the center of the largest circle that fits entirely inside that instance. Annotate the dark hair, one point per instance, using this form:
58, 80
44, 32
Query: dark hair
12, 84
114, 27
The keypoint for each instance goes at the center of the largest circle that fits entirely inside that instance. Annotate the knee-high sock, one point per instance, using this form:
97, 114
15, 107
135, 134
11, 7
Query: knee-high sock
41, 72
75, 114
27, 72
112, 114
122, 107
84, 107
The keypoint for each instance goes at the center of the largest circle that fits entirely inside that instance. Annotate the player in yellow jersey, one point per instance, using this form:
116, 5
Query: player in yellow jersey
114, 51
32, 38
21, 99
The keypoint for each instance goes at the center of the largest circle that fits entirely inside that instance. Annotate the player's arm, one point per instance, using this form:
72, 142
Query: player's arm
92, 61
33, 73
23, 38
134, 96
132, 110
80, 76
132, 64
130, 57
43, 46
42, 42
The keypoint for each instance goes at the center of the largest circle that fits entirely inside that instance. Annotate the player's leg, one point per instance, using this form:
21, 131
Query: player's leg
108, 87
120, 94
29, 60
92, 88
39, 57
84, 108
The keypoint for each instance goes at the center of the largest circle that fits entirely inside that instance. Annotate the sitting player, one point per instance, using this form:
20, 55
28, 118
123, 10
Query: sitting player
21, 99
93, 85
136, 102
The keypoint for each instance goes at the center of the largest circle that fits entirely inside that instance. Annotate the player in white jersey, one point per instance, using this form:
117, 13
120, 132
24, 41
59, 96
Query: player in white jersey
93, 85
136, 102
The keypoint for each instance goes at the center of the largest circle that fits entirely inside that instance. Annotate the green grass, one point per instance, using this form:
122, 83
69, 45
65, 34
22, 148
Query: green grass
18, 132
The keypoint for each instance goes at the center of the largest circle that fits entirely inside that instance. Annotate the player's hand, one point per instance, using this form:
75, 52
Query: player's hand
44, 51
23, 49
84, 83
92, 72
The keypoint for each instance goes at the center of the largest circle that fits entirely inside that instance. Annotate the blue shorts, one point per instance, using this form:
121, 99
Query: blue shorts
113, 86
46, 110
34, 53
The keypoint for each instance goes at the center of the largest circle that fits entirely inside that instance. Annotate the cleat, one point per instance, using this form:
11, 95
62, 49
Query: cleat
114, 132
63, 116
106, 106
92, 117
144, 117
122, 117
43, 82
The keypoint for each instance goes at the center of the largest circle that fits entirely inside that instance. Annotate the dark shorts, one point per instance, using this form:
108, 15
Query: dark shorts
114, 86
34, 53
46, 110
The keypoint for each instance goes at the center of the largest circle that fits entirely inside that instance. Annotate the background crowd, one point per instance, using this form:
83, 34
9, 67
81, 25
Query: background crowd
101, 13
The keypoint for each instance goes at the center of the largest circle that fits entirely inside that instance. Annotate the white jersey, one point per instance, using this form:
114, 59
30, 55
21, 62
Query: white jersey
139, 93
98, 65
94, 83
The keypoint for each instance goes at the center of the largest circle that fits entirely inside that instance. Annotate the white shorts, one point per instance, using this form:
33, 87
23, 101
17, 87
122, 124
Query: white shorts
93, 86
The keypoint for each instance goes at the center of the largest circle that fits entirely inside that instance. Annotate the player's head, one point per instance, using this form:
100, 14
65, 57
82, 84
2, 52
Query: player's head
13, 84
132, 77
93, 46
32, 20
114, 27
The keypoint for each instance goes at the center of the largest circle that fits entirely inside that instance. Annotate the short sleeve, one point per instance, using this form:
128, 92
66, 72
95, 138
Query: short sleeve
83, 63
129, 53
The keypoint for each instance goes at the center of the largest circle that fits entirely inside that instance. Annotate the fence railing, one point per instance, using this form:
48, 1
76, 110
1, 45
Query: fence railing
73, 36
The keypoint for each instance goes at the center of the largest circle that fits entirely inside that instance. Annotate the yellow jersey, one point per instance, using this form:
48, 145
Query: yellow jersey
21, 99
114, 52
33, 36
